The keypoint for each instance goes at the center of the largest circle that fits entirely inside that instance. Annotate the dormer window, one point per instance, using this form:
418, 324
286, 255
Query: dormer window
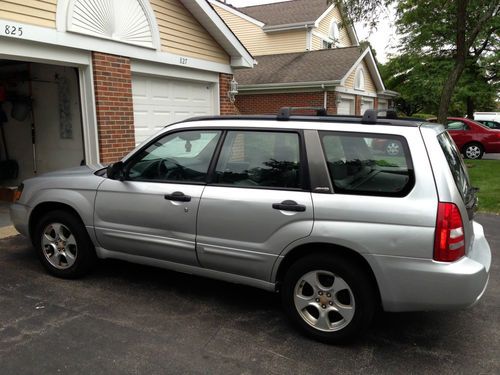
327, 44
334, 31
359, 83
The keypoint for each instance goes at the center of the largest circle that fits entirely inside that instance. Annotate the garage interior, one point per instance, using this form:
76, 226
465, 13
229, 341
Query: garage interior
40, 117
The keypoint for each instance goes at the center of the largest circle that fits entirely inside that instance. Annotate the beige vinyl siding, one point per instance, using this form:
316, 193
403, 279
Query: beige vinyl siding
33, 12
369, 83
258, 42
317, 43
180, 33
324, 27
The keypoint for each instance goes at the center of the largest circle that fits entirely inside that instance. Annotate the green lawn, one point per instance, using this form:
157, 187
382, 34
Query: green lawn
485, 174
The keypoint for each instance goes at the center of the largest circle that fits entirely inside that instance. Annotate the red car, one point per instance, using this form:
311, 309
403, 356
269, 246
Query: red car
473, 138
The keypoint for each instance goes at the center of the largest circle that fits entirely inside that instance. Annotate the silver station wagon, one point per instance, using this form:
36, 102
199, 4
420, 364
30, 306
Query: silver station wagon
308, 206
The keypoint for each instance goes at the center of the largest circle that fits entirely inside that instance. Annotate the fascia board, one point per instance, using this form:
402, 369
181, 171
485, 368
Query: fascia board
288, 85
288, 26
236, 12
210, 20
325, 13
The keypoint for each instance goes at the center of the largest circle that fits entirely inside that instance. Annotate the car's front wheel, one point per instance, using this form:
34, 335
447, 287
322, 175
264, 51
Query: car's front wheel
63, 245
330, 298
473, 151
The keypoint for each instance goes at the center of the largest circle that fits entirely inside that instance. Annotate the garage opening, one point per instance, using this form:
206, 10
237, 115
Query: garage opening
40, 120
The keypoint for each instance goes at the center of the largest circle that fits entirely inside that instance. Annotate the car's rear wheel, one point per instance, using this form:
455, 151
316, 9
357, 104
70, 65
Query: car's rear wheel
473, 151
331, 299
63, 245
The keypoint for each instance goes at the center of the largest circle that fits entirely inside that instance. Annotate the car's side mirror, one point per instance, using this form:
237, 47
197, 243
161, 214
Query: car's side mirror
116, 171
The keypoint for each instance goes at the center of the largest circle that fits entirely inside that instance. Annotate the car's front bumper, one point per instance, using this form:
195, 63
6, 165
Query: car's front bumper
412, 284
19, 215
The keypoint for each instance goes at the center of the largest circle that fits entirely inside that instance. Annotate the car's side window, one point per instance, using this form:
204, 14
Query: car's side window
456, 125
177, 157
259, 159
366, 164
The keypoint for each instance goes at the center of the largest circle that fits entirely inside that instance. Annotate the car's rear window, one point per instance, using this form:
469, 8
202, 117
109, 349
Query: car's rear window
457, 166
368, 164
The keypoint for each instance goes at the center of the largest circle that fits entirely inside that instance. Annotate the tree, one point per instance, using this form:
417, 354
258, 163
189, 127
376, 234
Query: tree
463, 31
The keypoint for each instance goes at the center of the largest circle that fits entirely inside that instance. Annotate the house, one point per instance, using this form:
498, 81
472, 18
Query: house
84, 81
305, 57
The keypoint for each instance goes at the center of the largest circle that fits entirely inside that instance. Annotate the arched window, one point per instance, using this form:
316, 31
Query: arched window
359, 83
334, 31
126, 21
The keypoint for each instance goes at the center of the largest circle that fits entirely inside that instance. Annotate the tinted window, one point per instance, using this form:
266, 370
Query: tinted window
368, 165
456, 164
183, 156
456, 125
259, 159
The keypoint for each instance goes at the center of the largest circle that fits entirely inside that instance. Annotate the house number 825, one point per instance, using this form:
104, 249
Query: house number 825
13, 30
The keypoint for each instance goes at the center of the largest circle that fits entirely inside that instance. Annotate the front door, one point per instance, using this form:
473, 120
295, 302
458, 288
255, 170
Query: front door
152, 212
256, 205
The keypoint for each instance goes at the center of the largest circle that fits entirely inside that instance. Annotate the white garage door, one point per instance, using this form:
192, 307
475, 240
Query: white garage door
366, 104
162, 101
345, 106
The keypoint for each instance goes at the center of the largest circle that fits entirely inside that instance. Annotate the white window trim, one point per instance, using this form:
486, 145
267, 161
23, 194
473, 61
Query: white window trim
330, 34
360, 86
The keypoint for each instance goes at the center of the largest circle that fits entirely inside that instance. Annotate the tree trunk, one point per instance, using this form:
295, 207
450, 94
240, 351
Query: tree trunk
447, 92
470, 107
460, 55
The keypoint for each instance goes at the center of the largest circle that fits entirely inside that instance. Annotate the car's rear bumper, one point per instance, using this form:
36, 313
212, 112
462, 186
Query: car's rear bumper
412, 284
19, 215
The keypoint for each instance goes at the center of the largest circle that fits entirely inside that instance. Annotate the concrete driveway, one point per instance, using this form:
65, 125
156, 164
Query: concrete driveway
491, 156
128, 319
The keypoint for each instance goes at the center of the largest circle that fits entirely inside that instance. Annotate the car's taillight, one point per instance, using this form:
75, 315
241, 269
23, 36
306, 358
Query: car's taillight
449, 243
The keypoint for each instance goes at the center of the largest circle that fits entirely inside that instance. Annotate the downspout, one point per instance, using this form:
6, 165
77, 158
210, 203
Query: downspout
325, 96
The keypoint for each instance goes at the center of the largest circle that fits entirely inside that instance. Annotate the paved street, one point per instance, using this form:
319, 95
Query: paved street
129, 319
491, 156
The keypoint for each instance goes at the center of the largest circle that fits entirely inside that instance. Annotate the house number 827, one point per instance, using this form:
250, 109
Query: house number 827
183, 60
13, 30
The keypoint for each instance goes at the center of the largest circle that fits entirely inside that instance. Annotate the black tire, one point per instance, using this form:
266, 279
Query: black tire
362, 298
473, 151
83, 252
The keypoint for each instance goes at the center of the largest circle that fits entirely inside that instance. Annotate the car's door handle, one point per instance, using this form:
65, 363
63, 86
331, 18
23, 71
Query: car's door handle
289, 205
178, 196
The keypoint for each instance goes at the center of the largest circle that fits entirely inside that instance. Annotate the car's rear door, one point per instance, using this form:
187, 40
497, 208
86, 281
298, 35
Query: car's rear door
256, 205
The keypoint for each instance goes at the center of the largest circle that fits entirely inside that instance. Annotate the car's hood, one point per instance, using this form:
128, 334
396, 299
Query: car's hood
75, 171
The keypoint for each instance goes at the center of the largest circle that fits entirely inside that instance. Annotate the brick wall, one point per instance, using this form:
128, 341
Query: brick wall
114, 105
226, 107
271, 103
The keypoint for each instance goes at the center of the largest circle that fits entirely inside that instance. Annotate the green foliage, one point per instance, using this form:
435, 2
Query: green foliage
447, 47
419, 80
485, 174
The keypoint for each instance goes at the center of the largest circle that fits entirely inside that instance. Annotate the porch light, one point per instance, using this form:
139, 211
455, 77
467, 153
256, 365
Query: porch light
233, 90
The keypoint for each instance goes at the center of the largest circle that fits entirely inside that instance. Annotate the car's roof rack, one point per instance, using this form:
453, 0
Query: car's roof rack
285, 112
320, 115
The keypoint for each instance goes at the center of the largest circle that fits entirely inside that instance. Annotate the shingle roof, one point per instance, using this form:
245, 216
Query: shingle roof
296, 11
311, 66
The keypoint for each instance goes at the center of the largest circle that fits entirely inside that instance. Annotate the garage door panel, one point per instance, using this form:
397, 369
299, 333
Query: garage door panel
161, 101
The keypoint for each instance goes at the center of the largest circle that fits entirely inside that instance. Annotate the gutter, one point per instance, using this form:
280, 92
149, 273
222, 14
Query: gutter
288, 26
320, 85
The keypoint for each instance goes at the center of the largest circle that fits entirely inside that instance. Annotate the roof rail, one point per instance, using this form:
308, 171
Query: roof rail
370, 115
285, 112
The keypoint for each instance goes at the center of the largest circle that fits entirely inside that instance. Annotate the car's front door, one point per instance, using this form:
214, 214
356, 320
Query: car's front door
256, 205
152, 212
